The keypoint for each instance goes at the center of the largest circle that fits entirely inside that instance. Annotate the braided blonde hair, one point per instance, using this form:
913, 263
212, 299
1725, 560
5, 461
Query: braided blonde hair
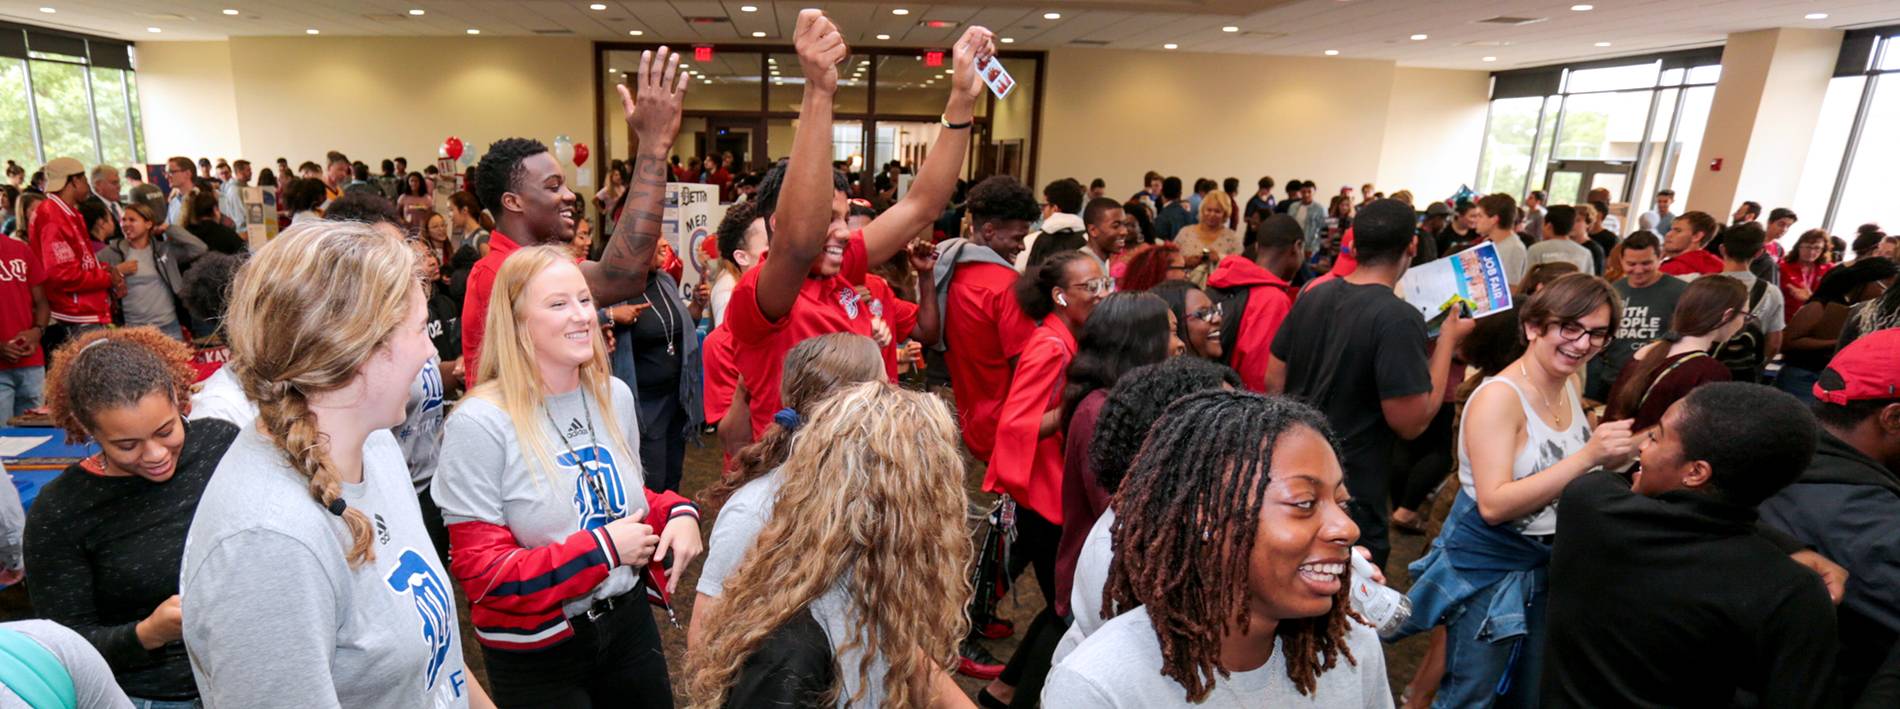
307, 311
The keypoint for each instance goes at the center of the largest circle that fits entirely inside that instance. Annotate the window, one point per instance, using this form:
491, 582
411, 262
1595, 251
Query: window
64, 95
1854, 157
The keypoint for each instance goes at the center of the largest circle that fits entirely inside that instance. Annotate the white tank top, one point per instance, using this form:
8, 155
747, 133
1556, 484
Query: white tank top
1543, 447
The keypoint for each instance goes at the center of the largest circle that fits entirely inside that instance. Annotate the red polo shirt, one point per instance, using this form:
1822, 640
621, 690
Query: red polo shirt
900, 315
721, 376
1025, 464
481, 282
19, 273
983, 328
824, 306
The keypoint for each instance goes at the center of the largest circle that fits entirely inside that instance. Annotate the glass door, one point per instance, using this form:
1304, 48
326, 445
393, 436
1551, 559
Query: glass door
1570, 181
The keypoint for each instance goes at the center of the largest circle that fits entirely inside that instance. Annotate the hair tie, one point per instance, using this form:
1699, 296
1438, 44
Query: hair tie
337, 506
787, 418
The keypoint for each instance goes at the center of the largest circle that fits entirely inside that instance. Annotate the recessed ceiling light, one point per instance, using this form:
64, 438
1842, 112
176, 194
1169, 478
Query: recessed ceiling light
472, 30
1582, 8
1008, 40
1230, 28
1603, 44
48, 10
634, 33
230, 12
1332, 52
758, 34
597, 6
899, 11
153, 30
1489, 59
884, 36
1815, 16
418, 12
1420, 37
310, 31
748, 8
1170, 45
1052, 15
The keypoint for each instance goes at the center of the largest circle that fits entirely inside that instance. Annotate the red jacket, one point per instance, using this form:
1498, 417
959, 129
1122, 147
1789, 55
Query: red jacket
515, 593
1695, 262
1268, 302
78, 285
1026, 465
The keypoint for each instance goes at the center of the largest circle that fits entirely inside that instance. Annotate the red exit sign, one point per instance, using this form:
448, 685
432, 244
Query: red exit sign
933, 57
702, 52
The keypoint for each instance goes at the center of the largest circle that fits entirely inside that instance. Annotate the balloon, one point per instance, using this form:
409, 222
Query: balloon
467, 159
563, 148
452, 147
580, 154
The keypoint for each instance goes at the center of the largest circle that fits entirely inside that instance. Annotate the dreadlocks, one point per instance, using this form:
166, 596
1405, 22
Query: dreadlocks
1207, 459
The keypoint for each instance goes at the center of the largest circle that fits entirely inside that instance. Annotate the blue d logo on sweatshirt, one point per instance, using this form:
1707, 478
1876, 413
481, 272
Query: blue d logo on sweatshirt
595, 476
412, 576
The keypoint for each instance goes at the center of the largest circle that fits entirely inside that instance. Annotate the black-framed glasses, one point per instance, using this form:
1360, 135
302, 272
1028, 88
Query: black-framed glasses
1572, 331
1208, 314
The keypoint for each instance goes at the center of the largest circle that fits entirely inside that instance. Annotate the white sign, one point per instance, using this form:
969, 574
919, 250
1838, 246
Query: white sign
689, 220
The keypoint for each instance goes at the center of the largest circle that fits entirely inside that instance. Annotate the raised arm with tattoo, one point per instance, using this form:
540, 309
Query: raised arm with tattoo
653, 114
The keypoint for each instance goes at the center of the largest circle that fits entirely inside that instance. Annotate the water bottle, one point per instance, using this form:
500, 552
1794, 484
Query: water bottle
1385, 608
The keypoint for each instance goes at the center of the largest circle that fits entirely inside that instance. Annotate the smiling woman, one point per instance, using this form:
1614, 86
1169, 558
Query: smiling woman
106, 538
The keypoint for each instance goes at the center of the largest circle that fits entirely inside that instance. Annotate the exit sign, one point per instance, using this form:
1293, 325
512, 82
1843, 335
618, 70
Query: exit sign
933, 57
702, 52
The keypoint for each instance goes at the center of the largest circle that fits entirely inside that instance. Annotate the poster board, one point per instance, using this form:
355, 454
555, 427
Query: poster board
690, 217
260, 215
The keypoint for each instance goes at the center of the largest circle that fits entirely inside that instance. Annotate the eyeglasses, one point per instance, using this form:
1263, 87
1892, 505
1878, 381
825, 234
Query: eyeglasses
1098, 286
1573, 331
1208, 314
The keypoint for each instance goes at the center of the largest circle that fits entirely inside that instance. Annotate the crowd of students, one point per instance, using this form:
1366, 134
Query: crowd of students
1675, 458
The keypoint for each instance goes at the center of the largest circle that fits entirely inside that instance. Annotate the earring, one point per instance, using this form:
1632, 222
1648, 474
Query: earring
1064, 302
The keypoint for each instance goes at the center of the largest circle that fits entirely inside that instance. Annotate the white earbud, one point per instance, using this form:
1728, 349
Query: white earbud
1064, 302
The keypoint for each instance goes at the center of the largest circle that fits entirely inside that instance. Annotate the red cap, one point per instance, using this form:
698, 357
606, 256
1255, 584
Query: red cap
1346, 263
1867, 368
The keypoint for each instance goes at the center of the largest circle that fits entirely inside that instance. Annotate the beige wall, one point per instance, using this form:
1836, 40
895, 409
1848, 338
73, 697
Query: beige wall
185, 95
1115, 114
1434, 125
368, 97
1762, 117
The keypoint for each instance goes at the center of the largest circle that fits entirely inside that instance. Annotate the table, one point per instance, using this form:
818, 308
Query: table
33, 468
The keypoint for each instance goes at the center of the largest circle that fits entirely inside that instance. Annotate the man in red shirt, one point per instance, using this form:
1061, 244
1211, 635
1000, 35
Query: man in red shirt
807, 285
24, 315
1683, 246
525, 190
78, 285
1257, 296
984, 326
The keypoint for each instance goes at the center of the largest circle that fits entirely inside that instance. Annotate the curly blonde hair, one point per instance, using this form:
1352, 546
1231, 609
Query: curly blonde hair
898, 537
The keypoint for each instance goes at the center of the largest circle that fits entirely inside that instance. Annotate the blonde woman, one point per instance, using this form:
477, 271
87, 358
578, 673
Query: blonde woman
849, 599
552, 533
308, 578
1205, 243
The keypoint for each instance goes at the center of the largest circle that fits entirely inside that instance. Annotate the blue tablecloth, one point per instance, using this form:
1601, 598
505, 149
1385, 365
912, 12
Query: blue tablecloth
34, 468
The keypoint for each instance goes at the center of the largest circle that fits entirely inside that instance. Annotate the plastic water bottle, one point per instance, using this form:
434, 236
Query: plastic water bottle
1385, 608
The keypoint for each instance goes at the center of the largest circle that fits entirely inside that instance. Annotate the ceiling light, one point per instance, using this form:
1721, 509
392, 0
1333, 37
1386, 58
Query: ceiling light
1008, 40
758, 34
1230, 28
899, 11
1332, 52
1815, 16
230, 12
1489, 59
597, 6
884, 36
1420, 37
1052, 15
1603, 44
748, 8
418, 12
634, 33
1170, 45
310, 31
48, 10
153, 30
1582, 8
472, 30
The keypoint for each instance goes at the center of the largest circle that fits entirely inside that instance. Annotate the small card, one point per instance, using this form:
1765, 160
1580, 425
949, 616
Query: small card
995, 76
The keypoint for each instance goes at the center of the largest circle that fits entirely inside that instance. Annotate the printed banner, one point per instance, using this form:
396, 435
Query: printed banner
1473, 278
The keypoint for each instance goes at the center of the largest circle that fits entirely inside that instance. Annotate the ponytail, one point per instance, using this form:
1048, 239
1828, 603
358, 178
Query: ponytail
284, 413
1626, 399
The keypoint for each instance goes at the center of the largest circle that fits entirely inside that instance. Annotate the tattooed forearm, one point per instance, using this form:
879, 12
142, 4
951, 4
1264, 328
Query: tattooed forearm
628, 258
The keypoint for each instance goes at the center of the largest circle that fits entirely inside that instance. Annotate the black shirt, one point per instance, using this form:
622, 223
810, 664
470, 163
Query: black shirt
103, 552
793, 667
1348, 347
1678, 601
218, 237
656, 369
445, 326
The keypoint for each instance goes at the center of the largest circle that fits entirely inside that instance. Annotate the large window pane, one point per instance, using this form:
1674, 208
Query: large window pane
788, 84
138, 122
1688, 145
1635, 76
16, 129
730, 82
109, 111
1507, 144
1540, 156
59, 93
1603, 126
1868, 195
1825, 151
1651, 169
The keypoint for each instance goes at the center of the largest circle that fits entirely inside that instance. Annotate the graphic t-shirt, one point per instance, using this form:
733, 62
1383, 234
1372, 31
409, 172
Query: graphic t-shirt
421, 431
19, 272
1647, 313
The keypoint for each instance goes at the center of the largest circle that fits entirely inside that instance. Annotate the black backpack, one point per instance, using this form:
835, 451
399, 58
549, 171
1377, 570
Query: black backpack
1747, 352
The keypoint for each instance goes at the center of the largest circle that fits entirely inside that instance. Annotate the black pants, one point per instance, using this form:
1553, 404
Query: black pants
613, 661
662, 440
1036, 541
1420, 464
60, 333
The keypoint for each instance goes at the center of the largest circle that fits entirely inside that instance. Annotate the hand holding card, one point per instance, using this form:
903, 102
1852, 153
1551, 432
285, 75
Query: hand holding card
991, 70
975, 48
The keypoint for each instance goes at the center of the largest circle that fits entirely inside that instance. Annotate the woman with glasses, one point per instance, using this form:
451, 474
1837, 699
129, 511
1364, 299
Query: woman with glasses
1197, 318
1710, 311
1026, 463
1486, 575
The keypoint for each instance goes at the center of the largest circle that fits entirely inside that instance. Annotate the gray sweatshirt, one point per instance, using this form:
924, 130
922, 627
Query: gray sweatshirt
93, 686
274, 616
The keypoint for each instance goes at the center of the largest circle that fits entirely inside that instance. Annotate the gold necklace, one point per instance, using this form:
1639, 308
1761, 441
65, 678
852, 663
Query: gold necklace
1550, 407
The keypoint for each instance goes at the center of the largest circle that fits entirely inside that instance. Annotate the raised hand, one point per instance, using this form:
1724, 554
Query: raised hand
975, 47
820, 49
653, 106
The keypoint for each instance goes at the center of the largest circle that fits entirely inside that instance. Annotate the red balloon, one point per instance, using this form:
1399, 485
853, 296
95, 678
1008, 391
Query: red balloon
453, 146
580, 154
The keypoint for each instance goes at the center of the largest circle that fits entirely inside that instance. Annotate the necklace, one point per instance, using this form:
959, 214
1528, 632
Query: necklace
593, 481
666, 325
1550, 407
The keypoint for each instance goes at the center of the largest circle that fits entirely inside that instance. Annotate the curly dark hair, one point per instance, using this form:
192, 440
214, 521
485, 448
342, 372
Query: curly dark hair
208, 286
108, 369
363, 206
303, 194
1001, 198
500, 167
1207, 460
1136, 400
766, 196
733, 226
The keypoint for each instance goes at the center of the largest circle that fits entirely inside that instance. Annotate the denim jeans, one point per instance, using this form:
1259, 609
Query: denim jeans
1483, 672
21, 388
138, 703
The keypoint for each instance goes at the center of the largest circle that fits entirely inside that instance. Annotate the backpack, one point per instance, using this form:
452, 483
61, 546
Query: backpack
1747, 352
